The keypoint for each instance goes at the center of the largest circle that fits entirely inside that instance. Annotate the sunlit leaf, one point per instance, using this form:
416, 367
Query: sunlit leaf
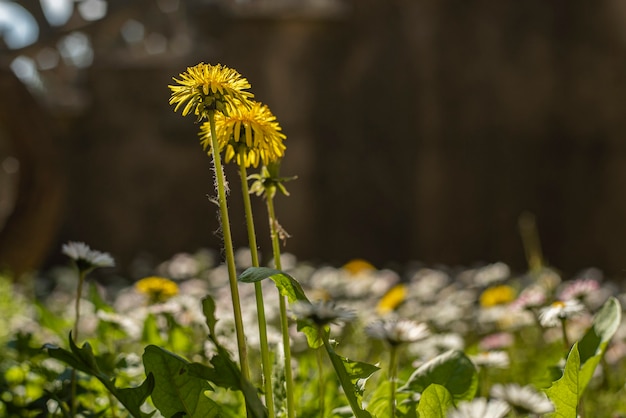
452, 369
435, 402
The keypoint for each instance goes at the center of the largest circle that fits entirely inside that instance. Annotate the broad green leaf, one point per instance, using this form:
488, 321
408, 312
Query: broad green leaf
452, 369
83, 359
566, 392
583, 359
593, 344
435, 402
176, 391
378, 404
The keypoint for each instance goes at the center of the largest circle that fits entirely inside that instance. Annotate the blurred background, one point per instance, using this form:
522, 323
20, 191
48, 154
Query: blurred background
420, 130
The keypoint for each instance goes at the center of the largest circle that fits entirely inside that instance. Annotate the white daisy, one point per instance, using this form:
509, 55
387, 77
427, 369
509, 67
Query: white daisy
86, 258
551, 316
322, 313
480, 408
396, 332
495, 358
524, 399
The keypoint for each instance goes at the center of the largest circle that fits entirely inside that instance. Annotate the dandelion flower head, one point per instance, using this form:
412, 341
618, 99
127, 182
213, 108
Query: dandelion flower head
392, 299
497, 295
158, 289
248, 135
205, 87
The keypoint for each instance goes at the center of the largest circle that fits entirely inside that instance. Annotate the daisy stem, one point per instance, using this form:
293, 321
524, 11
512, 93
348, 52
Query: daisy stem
321, 382
260, 308
564, 332
393, 370
284, 322
228, 248
82, 273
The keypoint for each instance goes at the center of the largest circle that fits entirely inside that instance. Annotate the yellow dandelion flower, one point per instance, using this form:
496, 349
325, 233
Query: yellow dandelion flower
207, 87
358, 266
158, 289
392, 299
497, 295
249, 135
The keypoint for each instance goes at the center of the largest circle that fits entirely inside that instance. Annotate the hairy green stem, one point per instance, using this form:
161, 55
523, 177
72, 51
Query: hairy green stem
230, 253
260, 308
284, 321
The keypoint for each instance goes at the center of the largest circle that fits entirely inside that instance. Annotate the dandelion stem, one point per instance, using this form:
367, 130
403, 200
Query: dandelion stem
284, 322
265, 354
230, 254
393, 371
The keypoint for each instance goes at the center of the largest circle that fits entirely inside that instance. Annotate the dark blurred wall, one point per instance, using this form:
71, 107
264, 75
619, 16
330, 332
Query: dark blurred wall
420, 130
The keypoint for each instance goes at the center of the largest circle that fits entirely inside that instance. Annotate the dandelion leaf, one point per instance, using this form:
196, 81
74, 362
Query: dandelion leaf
84, 360
354, 372
565, 392
452, 370
435, 402
583, 359
288, 287
176, 391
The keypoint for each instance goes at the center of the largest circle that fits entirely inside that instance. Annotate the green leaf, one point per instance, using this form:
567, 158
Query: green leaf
435, 402
291, 289
83, 359
593, 344
208, 308
358, 372
175, 389
566, 392
349, 375
452, 369
583, 359
287, 285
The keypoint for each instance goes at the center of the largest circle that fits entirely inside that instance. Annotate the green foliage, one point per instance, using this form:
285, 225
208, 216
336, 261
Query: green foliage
453, 370
176, 391
435, 402
84, 360
584, 357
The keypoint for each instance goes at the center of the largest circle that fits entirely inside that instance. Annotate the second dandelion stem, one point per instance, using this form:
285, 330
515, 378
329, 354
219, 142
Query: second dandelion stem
265, 356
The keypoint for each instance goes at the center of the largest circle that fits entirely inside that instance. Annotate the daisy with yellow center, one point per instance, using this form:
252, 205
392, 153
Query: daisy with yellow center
248, 135
157, 289
205, 88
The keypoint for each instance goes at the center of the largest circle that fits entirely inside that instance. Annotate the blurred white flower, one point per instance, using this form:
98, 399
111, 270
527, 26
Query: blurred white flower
322, 313
579, 289
480, 408
494, 358
524, 399
86, 258
396, 332
551, 316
